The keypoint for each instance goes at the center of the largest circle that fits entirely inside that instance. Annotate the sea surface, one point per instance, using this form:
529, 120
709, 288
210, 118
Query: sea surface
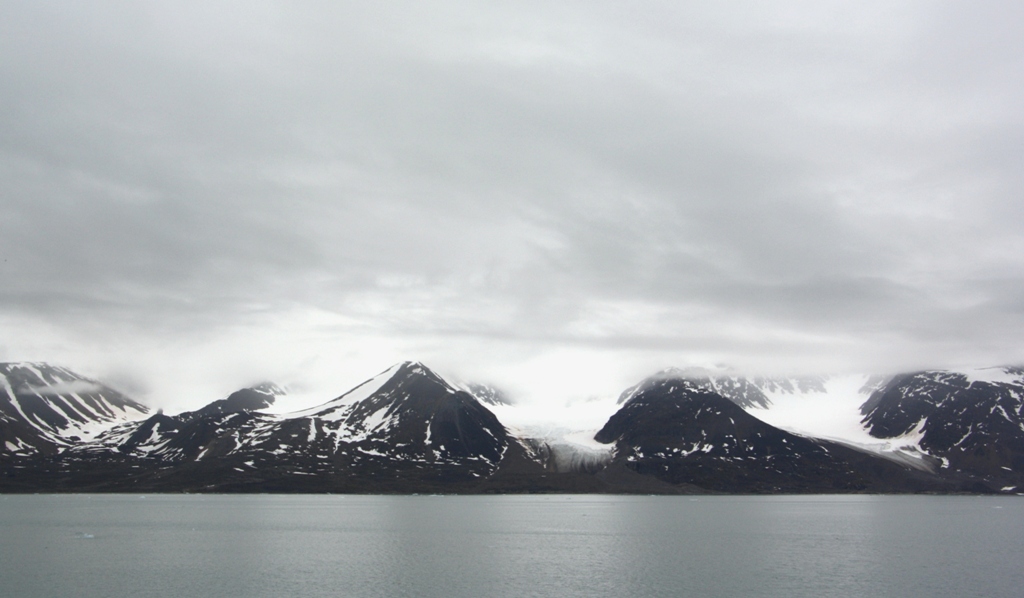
496, 546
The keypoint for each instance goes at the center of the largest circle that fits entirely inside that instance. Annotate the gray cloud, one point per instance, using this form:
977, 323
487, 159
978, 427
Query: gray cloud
760, 185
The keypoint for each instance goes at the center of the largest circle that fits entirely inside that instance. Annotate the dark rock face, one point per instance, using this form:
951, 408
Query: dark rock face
745, 392
44, 408
253, 398
975, 427
679, 432
406, 430
738, 390
488, 395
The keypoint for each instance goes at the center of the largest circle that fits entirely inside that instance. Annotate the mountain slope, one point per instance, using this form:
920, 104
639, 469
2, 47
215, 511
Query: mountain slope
680, 432
972, 422
45, 409
403, 430
409, 430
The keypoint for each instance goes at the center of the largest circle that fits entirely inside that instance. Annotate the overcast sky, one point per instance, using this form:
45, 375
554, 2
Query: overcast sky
557, 197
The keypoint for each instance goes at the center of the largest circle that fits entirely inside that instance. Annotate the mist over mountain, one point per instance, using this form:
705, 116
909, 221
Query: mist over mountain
408, 429
553, 199
45, 409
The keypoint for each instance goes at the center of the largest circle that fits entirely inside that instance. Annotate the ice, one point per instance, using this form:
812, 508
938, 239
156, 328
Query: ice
835, 415
573, 421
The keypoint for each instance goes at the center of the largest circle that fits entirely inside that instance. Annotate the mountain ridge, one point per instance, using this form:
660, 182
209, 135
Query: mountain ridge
408, 429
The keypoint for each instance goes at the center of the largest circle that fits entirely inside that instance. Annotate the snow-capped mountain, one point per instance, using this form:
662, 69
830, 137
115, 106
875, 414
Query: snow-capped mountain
968, 422
188, 436
681, 431
252, 398
748, 393
485, 393
409, 413
395, 430
45, 409
742, 391
410, 430
821, 407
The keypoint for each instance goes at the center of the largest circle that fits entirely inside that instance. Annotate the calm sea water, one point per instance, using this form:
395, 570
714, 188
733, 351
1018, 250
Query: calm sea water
565, 546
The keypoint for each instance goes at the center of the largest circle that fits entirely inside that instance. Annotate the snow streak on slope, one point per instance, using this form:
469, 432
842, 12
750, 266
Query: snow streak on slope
357, 394
995, 375
47, 408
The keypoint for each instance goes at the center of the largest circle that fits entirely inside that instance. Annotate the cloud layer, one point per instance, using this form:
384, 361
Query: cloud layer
554, 196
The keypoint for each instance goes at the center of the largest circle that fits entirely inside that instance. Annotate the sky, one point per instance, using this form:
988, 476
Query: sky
555, 198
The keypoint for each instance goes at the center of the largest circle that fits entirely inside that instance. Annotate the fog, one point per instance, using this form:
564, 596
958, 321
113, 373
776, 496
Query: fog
558, 199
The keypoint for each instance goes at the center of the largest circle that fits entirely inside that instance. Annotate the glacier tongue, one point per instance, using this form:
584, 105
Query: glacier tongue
833, 413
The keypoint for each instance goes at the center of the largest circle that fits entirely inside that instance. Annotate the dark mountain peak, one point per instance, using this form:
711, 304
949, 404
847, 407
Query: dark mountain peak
408, 387
414, 370
407, 412
398, 376
488, 394
678, 408
682, 377
408, 380
252, 398
737, 389
269, 388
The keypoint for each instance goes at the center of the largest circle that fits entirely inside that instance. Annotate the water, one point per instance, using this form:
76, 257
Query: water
455, 546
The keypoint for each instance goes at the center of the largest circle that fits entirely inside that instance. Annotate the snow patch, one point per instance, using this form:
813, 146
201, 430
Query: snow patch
991, 376
357, 394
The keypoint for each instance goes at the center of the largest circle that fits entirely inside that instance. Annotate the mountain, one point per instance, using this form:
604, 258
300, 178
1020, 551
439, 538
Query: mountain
252, 398
486, 394
44, 409
406, 429
409, 414
679, 431
190, 436
745, 392
970, 423
410, 430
